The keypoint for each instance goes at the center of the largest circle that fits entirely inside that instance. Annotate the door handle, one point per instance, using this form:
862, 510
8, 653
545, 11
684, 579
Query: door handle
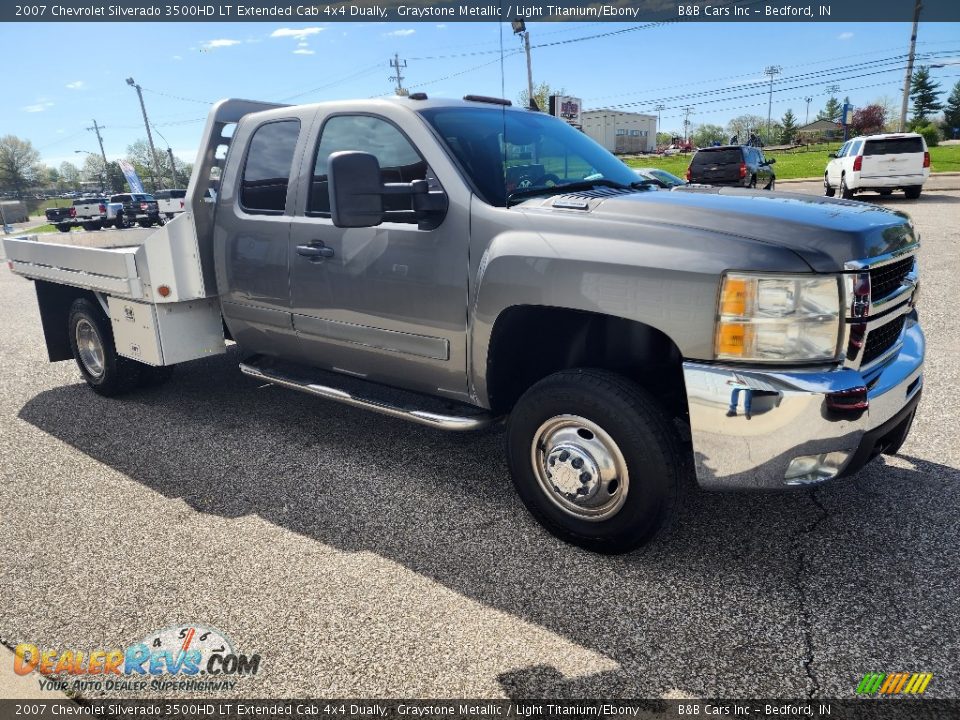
316, 251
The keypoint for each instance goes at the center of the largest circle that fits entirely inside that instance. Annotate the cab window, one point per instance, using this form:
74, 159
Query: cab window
399, 161
266, 173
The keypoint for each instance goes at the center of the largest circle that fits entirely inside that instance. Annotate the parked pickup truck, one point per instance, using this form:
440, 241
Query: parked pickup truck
97, 213
63, 217
138, 208
377, 253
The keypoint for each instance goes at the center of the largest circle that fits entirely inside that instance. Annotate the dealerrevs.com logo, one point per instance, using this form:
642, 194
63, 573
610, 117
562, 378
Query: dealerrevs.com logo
186, 657
898, 683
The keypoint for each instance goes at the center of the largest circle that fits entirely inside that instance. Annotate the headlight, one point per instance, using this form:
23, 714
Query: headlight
778, 318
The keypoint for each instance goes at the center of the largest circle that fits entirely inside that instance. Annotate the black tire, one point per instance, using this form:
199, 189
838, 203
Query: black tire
90, 227
773, 185
913, 192
115, 375
845, 192
144, 223
828, 189
639, 429
753, 183
121, 222
63, 228
152, 376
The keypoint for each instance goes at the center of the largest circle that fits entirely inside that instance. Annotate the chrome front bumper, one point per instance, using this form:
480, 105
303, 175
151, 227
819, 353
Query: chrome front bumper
801, 428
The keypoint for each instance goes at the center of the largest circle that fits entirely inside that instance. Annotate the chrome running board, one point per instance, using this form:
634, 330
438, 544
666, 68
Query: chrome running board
444, 421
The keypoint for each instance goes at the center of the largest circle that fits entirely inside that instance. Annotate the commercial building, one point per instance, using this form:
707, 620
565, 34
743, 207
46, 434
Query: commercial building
621, 132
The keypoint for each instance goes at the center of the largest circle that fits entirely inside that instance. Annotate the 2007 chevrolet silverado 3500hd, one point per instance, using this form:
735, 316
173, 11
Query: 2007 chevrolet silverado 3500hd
457, 262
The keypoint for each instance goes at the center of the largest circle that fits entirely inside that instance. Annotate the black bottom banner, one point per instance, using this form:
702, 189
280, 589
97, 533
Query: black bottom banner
882, 709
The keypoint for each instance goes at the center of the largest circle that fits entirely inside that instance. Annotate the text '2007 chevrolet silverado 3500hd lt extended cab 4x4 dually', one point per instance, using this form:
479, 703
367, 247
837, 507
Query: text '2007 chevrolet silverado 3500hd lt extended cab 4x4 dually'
458, 262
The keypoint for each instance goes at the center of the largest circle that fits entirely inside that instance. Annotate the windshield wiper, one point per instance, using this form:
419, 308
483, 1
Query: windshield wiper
568, 187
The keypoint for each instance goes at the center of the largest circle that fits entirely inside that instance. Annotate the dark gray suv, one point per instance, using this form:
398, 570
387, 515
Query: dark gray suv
737, 165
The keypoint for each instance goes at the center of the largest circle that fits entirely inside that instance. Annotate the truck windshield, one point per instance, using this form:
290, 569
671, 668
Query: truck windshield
517, 152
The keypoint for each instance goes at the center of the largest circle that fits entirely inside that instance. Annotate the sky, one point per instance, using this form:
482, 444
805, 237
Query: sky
72, 73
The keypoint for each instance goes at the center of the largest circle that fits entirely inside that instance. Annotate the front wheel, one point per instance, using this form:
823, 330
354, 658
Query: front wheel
121, 222
91, 340
913, 192
594, 459
63, 228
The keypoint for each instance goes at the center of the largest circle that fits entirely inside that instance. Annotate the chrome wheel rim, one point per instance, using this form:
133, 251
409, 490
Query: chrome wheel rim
89, 347
579, 467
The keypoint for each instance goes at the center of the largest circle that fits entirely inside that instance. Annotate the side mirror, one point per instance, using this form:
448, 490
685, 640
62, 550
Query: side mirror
832, 155
356, 194
354, 187
772, 161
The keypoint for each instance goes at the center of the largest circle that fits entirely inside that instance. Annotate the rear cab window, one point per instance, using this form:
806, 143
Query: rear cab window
266, 171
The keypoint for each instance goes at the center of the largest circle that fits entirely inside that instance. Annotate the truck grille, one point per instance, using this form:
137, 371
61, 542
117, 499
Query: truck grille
882, 339
887, 278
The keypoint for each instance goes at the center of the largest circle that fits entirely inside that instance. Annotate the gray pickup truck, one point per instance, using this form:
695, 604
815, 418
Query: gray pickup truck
458, 263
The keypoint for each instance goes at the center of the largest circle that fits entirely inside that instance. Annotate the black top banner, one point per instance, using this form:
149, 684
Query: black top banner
644, 11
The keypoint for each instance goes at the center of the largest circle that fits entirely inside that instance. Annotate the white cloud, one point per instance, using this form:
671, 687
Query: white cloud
298, 33
400, 33
845, 36
38, 106
76, 85
176, 57
302, 51
221, 43
303, 43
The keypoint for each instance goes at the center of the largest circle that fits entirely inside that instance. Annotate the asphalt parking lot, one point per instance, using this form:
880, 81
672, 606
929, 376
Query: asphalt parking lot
361, 556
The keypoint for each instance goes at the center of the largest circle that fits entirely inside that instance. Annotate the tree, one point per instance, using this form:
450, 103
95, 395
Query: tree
925, 95
70, 175
951, 113
788, 127
868, 120
831, 111
664, 138
744, 125
706, 135
19, 164
138, 155
541, 94
891, 112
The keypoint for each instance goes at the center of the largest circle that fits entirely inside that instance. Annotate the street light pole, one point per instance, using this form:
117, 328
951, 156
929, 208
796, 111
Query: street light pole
154, 167
772, 71
520, 28
909, 78
807, 121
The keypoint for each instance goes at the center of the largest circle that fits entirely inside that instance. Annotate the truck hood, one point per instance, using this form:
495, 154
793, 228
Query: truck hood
825, 232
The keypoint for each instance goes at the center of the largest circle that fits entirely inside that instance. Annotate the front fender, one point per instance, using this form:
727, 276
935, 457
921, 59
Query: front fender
663, 276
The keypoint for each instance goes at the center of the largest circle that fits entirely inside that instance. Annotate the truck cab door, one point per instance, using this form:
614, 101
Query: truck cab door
252, 233
388, 303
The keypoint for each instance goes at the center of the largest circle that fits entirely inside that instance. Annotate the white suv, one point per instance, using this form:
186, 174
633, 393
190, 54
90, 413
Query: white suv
884, 163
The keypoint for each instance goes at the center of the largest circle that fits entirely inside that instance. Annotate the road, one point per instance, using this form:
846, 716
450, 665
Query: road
361, 556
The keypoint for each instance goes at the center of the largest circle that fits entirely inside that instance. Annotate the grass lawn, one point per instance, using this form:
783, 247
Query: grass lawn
40, 229
794, 164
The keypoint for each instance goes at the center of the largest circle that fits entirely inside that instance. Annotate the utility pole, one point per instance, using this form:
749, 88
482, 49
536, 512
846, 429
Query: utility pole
772, 71
520, 28
398, 65
658, 108
97, 128
686, 122
910, 59
173, 167
154, 167
807, 121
